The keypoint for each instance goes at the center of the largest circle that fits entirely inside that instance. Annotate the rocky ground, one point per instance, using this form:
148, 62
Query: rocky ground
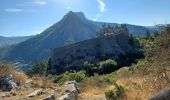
13, 90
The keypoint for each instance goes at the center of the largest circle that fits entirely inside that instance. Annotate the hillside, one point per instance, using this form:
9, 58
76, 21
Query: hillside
74, 26
92, 50
141, 81
7, 41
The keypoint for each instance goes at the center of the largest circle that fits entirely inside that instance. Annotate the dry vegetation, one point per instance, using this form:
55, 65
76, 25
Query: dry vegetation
43, 82
143, 79
5, 69
144, 82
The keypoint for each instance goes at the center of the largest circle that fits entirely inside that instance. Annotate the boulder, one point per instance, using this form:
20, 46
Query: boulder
8, 83
164, 94
72, 86
69, 96
71, 89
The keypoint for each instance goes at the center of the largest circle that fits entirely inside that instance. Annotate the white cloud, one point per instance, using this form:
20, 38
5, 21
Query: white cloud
13, 10
102, 5
40, 3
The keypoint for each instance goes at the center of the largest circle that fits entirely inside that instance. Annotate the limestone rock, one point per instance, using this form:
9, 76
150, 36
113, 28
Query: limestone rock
71, 88
8, 83
69, 96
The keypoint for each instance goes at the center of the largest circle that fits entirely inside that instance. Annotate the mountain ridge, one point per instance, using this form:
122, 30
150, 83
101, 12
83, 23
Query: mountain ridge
7, 41
73, 25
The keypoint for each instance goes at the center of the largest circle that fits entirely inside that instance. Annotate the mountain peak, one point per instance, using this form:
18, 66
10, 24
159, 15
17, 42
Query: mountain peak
71, 14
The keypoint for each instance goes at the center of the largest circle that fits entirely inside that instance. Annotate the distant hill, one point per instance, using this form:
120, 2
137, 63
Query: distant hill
74, 26
7, 41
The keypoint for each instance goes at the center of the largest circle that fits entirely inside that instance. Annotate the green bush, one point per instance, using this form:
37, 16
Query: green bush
109, 78
116, 94
69, 76
141, 66
38, 68
107, 66
89, 68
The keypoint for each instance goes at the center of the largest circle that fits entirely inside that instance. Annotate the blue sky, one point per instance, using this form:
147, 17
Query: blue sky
28, 17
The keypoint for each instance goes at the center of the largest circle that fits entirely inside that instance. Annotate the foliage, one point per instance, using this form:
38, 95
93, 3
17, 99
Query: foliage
107, 66
102, 67
38, 68
109, 78
142, 65
68, 76
89, 68
5, 69
116, 94
129, 58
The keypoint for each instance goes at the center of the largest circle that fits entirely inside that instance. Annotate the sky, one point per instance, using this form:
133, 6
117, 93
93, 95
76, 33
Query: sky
30, 17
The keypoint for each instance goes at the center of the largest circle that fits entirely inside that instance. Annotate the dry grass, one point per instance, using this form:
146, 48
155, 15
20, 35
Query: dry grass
94, 89
136, 88
93, 86
141, 87
42, 82
20, 76
5, 70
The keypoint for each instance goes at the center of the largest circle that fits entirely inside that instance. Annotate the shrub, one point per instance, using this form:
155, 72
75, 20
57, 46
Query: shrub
38, 68
68, 76
109, 78
5, 70
89, 68
107, 66
141, 66
116, 94
110, 95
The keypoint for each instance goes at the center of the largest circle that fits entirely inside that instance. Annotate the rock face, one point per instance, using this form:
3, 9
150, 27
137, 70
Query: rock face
71, 88
8, 83
164, 94
93, 50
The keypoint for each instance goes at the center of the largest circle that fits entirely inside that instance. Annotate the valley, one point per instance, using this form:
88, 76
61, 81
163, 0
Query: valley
80, 51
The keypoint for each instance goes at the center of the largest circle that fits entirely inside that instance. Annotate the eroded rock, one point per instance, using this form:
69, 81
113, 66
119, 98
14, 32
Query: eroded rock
8, 83
71, 88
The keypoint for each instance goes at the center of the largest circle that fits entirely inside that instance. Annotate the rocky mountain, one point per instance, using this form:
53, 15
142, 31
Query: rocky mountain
7, 41
74, 26
92, 50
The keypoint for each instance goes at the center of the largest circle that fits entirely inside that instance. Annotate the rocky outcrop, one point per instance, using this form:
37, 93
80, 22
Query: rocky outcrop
73, 56
8, 83
164, 94
71, 88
